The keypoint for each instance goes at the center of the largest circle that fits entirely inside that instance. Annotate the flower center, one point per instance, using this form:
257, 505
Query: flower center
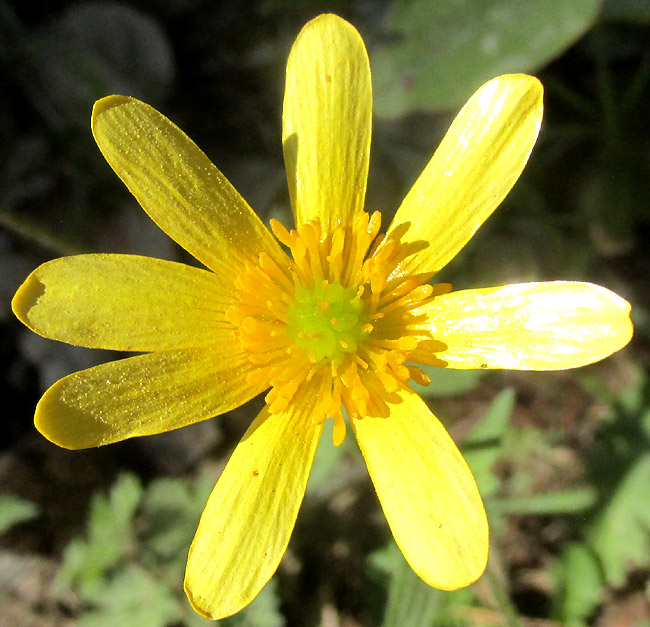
328, 321
336, 321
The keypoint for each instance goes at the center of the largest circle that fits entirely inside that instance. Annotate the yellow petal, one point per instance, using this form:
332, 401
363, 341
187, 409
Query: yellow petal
144, 395
475, 166
529, 326
178, 186
326, 122
427, 492
124, 302
247, 523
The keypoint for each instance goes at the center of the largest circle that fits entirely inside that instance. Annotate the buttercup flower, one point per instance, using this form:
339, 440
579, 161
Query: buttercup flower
337, 317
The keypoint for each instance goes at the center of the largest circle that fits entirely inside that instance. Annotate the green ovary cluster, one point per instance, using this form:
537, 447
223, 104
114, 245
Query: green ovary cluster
327, 321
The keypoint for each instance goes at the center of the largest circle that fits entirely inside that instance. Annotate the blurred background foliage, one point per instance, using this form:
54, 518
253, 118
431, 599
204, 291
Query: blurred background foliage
99, 538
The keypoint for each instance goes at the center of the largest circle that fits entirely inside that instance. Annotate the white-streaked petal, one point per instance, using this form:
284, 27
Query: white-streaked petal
475, 166
529, 326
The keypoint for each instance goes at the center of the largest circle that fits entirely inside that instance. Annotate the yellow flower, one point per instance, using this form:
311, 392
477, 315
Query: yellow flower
334, 319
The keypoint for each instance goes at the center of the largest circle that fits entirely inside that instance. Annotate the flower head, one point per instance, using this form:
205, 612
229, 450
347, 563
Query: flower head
329, 316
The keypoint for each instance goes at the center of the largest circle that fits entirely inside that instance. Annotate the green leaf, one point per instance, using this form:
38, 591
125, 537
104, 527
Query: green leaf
580, 585
447, 381
109, 539
495, 421
110, 526
94, 49
482, 447
411, 601
264, 611
134, 598
171, 509
546, 503
327, 463
14, 510
621, 533
627, 10
441, 52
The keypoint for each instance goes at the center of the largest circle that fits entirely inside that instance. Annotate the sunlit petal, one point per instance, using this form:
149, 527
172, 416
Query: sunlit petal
144, 395
125, 302
250, 515
178, 186
427, 492
475, 166
326, 122
529, 326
